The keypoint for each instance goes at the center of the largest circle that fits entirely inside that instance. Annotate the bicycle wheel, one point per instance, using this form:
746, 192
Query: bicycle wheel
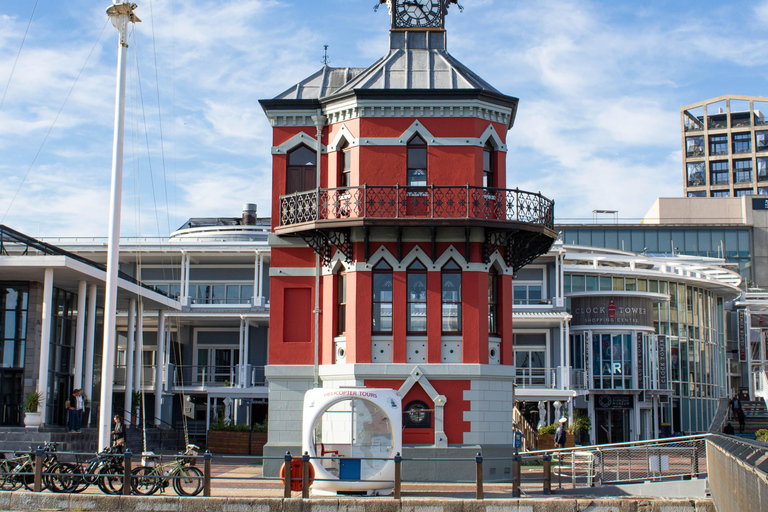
145, 480
188, 481
28, 480
8, 480
59, 477
109, 478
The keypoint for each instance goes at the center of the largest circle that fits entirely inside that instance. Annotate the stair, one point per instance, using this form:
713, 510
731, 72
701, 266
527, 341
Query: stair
756, 416
19, 439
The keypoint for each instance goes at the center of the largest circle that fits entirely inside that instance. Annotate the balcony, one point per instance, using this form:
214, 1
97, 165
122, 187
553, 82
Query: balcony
545, 378
198, 377
401, 205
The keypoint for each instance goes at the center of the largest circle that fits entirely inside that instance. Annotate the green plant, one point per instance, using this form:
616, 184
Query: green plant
32, 401
136, 398
548, 430
220, 425
762, 435
261, 427
581, 423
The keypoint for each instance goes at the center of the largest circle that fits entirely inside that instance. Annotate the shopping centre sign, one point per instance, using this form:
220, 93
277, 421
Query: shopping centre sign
607, 310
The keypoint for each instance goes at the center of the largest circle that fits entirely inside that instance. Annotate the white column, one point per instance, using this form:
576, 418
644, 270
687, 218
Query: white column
563, 361
138, 363
82, 290
90, 342
120, 15
186, 280
261, 284
241, 354
568, 363
182, 291
256, 280
129, 349
246, 356
159, 364
45, 338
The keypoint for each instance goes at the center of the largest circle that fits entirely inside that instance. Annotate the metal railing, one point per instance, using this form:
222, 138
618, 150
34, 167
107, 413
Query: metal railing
537, 378
738, 473
443, 202
218, 375
659, 459
147, 376
578, 379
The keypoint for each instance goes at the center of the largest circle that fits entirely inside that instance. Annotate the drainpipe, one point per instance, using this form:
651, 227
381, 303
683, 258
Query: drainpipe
319, 120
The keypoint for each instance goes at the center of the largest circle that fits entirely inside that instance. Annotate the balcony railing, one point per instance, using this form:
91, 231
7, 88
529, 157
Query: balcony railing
221, 375
578, 379
439, 202
147, 376
536, 378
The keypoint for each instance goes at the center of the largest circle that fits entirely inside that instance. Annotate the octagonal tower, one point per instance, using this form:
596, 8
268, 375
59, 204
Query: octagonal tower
395, 238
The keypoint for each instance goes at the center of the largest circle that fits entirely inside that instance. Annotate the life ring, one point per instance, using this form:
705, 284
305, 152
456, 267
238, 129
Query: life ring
296, 474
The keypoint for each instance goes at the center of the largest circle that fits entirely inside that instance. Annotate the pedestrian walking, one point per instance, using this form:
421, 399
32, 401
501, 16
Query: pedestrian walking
742, 421
736, 406
561, 436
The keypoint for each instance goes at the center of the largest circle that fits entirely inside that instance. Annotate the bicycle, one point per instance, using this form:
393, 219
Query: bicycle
187, 479
21, 470
105, 470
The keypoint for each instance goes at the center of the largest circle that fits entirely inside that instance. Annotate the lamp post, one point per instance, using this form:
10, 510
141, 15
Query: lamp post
120, 14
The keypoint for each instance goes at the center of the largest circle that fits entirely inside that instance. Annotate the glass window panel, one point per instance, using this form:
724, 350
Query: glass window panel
534, 294
538, 360
592, 284
246, 292
606, 283
302, 156
382, 287
577, 283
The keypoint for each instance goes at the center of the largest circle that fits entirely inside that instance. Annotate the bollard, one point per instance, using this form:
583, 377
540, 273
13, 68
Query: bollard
398, 475
305, 475
39, 457
479, 475
287, 475
547, 469
516, 475
207, 474
127, 472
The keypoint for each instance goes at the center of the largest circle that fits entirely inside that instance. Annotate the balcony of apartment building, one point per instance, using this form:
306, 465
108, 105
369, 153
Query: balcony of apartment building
195, 378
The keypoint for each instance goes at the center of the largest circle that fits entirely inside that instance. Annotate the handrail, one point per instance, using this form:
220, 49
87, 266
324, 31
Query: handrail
434, 201
530, 435
677, 439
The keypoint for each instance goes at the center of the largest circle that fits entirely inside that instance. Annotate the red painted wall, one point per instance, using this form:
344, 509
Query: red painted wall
454, 408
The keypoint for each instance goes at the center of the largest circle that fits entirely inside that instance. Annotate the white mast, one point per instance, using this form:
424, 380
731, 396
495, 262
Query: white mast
120, 14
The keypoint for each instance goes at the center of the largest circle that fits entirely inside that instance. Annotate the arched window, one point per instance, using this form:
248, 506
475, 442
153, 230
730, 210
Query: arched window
489, 177
301, 171
417, 298
451, 297
417, 162
493, 301
345, 165
382, 298
341, 304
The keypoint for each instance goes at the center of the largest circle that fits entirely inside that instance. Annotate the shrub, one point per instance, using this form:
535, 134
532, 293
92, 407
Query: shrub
762, 435
548, 430
221, 425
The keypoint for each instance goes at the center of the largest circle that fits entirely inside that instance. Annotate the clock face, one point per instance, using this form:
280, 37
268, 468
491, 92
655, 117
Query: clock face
418, 14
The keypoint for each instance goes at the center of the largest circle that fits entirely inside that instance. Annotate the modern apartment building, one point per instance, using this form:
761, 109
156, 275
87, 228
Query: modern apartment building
725, 147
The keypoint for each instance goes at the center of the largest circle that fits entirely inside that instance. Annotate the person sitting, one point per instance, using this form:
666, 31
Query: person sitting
728, 429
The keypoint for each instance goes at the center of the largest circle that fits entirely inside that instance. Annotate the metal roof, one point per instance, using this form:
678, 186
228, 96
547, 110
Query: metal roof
321, 83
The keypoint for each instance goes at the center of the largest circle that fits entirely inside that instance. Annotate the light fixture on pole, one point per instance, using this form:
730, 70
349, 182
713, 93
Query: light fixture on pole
120, 14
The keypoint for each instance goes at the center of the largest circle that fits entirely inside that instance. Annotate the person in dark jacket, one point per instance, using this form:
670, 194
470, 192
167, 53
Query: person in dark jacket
742, 421
728, 429
561, 436
118, 433
71, 411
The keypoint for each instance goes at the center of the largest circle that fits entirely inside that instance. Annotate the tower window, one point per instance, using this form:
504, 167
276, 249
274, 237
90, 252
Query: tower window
493, 301
417, 298
451, 297
345, 166
301, 171
341, 305
417, 162
489, 178
382, 298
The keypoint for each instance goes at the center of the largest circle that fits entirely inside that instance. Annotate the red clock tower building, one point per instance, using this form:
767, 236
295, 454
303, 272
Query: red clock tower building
395, 239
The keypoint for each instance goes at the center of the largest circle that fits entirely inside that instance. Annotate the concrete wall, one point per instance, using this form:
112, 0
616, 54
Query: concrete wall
23, 501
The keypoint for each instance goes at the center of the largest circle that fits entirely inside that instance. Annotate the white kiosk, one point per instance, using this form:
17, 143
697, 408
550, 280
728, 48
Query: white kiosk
353, 431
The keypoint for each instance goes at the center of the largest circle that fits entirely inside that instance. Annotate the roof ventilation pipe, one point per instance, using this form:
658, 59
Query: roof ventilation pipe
249, 214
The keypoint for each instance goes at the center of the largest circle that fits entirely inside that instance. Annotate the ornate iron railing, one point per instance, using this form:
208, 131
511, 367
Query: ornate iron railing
439, 202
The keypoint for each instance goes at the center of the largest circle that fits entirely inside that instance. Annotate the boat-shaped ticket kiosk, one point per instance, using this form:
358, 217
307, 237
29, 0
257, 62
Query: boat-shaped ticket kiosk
352, 436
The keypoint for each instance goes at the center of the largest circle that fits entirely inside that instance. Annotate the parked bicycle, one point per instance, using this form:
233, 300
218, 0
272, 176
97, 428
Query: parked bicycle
152, 476
20, 470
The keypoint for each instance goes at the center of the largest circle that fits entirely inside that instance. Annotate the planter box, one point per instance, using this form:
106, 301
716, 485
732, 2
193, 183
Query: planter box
236, 443
547, 441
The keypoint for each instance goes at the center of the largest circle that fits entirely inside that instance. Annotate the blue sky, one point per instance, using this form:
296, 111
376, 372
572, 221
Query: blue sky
600, 84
